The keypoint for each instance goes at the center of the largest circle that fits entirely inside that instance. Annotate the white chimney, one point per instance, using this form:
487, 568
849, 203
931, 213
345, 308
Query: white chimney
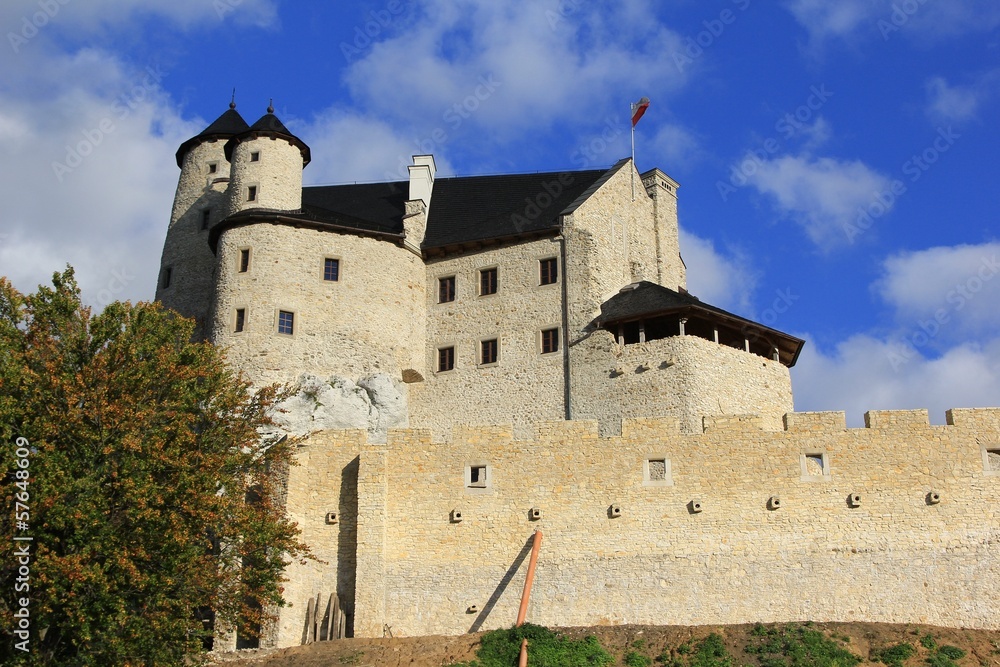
422, 178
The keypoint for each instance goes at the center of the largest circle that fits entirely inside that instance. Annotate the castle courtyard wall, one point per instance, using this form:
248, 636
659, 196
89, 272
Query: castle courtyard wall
899, 556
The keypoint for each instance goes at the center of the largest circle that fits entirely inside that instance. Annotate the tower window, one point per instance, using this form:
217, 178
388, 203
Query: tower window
286, 322
488, 351
331, 269
167, 275
446, 359
205, 216
241, 318
550, 341
488, 281
244, 260
446, 289
252, 193
213, 167
548, 271
255, 156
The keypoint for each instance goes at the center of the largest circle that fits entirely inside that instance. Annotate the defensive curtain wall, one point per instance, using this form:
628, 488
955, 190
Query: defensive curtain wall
895, 522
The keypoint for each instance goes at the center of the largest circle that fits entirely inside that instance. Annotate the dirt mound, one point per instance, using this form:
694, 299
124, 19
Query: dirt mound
865, 640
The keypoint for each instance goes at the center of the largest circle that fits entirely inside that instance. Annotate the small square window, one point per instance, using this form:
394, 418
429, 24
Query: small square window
241, 318
815, 466
206, 215
255, 156
446, 359
991, 459
489, 351
548, 271
446, 289
478, 478
656, 471
286, 322
331, 269
488, 281
244, 260
167, 275
252, 193
550, 341
213, 167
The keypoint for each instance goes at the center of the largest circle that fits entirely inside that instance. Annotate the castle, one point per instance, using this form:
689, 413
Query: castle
478, 357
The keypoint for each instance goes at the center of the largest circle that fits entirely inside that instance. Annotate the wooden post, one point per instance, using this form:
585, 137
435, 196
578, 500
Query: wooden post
530, 578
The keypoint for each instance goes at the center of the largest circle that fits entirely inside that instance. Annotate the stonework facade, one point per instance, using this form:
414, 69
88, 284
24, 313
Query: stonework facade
527, 341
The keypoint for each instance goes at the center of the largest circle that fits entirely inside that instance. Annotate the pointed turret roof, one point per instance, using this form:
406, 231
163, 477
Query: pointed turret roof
225, 126
269, 125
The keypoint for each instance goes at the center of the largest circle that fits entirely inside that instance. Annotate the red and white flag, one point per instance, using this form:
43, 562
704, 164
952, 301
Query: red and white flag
639, 108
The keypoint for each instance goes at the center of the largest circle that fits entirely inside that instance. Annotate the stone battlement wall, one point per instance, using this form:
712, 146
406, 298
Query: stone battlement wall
900, 555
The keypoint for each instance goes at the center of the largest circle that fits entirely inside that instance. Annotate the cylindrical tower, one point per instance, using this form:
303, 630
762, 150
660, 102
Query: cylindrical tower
185, 279
267, 163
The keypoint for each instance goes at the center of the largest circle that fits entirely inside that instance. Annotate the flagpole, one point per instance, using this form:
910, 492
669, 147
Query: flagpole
633, 149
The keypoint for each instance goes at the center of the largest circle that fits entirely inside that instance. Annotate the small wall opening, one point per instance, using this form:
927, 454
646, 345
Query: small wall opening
656, 471
478, 477
815, 466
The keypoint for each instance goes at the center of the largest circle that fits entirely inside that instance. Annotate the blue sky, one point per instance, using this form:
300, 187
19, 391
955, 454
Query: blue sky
837, 160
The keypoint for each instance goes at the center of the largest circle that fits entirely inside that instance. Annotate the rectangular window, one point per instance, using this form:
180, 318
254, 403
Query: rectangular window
252, 193
255, 156
548, 271
488, 281
286, 322
488, 351
167, 275
205, 216
477, 476
244, 260
331, 269
213, 167
446, 289
446, 359
550, 341
241, 318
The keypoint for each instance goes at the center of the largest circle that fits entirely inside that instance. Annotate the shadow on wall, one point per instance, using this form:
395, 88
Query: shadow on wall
502, 586
347, 549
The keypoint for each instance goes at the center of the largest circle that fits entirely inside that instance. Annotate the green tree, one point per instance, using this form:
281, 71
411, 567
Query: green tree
153, 500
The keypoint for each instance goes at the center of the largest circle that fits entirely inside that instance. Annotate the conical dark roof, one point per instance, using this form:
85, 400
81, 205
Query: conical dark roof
225, 126
269, 125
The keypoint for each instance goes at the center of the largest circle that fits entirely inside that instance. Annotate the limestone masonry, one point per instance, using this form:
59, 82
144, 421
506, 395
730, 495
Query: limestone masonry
475, 358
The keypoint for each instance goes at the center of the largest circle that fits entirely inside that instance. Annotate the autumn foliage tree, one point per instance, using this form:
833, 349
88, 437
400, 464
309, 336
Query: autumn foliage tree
152, 497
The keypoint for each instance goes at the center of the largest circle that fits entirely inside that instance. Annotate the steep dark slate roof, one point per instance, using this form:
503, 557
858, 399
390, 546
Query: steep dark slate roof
224, 127
378, 206
480, 208
645, 300
270, 126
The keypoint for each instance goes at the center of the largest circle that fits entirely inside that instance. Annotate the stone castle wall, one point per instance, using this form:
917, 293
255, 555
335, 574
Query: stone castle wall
898, 556
369, 321
685, 377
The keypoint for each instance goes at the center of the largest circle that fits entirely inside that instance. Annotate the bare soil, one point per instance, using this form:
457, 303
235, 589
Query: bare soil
982, 646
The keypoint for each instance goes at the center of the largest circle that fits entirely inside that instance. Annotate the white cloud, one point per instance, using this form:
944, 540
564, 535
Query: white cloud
947, 103
722, 279
944, 293
825, 19
674, 146
865, 373
512, 67
823, 195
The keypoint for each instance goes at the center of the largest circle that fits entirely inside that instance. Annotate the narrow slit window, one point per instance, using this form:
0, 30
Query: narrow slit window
550, 341
548, 271
252, 193
241, 318
446, 289
331, 269
488, 281
488, 351
167, 275
206, 215
244, 260
286, 322
446, 359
